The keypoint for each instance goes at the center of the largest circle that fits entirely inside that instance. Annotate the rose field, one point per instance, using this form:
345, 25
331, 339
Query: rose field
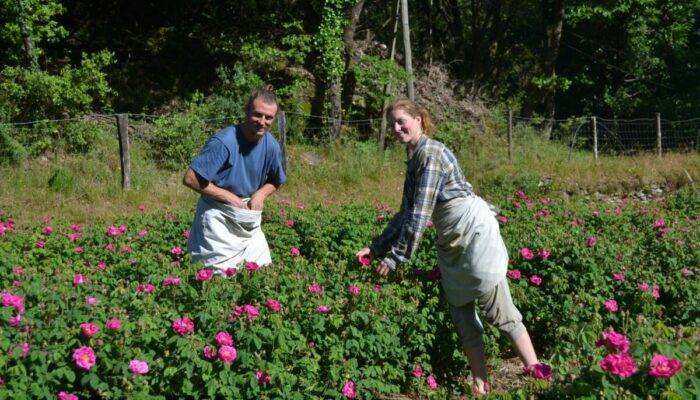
609, 290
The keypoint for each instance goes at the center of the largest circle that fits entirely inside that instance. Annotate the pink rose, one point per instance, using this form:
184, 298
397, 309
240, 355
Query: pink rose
365, 261
611, 305
209, 352
590, 242
294, 252
138, 367
79, 279
527, 253
274, 305
24, 347
544, 253
224, 338
418, 371
176, 251
539, 371
618, 276
251, 310
514, 274
430, 380
114, 324
643, 286
89, 329
251, 266
172, 280
663, 367
502, 219
324, 309
205, 274
183, 326
262, 377
349, 390
289, 223
619, 364
315, 288
536, 280
84, 357
227, 354
355, 291
614, 341
67, 396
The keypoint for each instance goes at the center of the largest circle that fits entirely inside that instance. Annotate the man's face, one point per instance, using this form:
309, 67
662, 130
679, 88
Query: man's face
259, 119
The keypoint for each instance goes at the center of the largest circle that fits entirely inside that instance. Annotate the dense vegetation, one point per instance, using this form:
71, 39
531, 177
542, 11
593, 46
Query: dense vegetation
116, 309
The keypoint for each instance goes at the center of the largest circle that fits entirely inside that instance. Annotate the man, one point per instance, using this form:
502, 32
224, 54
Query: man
238, 168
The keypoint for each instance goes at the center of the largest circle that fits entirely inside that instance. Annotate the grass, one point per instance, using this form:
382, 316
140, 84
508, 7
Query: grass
87, 188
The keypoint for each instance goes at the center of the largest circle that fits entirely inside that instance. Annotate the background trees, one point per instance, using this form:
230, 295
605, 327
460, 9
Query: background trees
552, 58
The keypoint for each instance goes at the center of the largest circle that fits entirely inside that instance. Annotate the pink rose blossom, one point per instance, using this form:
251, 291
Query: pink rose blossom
663, 367
12, 300
142, 208
231, 271
659, 223
502, 219
79, 279
365, 261
655, 292
324, 309
101, 266
294, 251
643, 286
172, 280
315, 288
590, 242
614, 341
114, 324
289, 223
544, 253
176, 251
183, 326
186, 234
349, 390
430, 380
224, 338
227, 354
146, 288
143, 233
539, 371
274, 305
67, 396
417, 371
355, 291
40, 243
84, 357
75, 227
536, 280
611, 305
113, 231
24, 348
205, 274
74, 236
620, 364
251, 266
251, 310
686, 272
138, 367
618, 276
527, 253
89, 329
209, 352
521, 195
91, 301
15, 321
514, 274
262, 377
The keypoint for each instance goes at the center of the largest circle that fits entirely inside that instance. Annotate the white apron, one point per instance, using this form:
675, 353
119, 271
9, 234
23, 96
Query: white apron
471, 254
223, 236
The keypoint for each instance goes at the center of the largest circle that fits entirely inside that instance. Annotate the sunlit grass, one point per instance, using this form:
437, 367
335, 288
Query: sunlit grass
88, 188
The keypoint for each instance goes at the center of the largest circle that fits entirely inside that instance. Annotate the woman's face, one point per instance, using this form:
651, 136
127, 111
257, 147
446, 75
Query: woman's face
407, 128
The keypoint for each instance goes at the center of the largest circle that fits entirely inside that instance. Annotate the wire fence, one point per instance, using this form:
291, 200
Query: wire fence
617, 137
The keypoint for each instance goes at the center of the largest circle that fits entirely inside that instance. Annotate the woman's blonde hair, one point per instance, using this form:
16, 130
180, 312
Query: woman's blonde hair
413, 109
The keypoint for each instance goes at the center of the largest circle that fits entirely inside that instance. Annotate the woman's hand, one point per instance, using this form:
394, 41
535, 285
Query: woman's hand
383, 269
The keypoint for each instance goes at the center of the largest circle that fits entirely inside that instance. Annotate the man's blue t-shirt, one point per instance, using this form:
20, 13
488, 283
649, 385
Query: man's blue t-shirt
231, 162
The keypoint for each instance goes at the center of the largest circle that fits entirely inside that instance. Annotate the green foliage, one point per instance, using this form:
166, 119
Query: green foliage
42, 28
11, 151
176, 139
36, 95
372, 74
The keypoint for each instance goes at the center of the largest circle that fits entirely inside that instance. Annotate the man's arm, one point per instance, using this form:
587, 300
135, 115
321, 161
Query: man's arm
206, 188
257, 200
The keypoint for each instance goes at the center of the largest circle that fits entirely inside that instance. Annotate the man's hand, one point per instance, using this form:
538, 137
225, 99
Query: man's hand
256, 202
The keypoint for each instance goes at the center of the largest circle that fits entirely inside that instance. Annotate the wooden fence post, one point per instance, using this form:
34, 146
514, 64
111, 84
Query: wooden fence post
282, 125
510, 135
595, 138
123, 130
658, 134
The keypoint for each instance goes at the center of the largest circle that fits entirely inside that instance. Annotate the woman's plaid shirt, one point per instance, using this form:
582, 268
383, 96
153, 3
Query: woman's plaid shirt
433, 175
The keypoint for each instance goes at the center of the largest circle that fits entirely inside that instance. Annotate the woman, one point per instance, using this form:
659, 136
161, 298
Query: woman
471, 254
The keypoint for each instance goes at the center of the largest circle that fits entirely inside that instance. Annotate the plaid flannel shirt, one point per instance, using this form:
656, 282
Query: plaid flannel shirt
432, 175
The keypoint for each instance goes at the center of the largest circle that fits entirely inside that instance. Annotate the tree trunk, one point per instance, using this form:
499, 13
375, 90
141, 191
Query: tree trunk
349, 81
555, 18
32, 58
406, 32
387, 89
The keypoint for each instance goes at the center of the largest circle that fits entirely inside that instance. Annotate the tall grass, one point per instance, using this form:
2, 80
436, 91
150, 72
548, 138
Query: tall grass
88, 188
